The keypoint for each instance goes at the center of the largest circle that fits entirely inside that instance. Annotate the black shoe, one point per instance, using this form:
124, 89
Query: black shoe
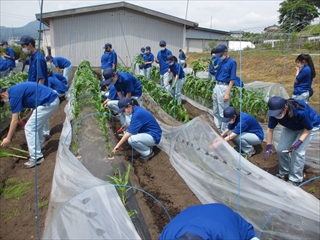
294, 183
147, 158
282, 176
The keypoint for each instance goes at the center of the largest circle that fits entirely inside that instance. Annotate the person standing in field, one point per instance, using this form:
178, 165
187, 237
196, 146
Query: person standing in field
9, 54
4, 67
141, 66
302, 88
144, 131
104, 61
208, 221
61, 63
148, 60
178, 77
242, 129
182, 58
225, 77
164, 66
300, 123
213, 65
113, 58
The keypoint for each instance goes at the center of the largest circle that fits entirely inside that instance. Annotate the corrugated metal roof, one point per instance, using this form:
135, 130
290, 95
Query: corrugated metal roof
100, 8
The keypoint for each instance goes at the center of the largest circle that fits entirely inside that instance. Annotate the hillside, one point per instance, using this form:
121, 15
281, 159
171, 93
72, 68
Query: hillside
269, 67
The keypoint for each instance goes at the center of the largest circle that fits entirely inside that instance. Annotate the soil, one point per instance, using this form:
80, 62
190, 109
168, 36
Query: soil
157, 176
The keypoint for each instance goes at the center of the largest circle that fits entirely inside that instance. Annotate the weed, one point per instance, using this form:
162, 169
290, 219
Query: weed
10, 215
14, 188
312, 189
43, 204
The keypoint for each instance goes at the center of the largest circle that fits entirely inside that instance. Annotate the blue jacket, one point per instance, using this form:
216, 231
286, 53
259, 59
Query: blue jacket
304, 81
4, 64
33, 68
226, 70
128, 83
162, 58
148, 57
177, 69
61, 62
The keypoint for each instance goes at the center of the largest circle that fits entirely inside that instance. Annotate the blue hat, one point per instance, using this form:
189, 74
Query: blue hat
123, 103
162, 42
189, 236
148, 48
143, 49
276, 105
228, 114
169, 58
103, 84
49, 57
220, 49
3, 43
107, 45
108, 74
26, 39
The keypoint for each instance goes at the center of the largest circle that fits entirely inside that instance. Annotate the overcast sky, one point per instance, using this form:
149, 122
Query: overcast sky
221, 15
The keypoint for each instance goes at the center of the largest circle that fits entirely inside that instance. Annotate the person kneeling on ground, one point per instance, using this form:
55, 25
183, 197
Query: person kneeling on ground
144, 131
208, 221
244, 125
20, 97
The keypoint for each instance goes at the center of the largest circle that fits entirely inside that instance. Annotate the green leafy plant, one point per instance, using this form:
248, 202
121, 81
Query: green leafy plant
15, 188
11, 215
43, 204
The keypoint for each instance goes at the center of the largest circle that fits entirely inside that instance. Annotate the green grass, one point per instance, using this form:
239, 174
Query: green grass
312, 189
11, 215
15, 188
43, 204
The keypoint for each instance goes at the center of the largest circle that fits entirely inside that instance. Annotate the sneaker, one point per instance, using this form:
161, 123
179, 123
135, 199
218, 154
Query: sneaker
46, 137
294, 183
282, 176
31, 162
147, 158
251, 153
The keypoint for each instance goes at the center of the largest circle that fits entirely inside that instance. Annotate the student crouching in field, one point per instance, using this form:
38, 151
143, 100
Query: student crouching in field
300, 123
144, 131
302, 88
242, 128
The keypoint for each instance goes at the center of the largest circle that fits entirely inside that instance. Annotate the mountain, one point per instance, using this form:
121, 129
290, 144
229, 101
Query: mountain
30, 29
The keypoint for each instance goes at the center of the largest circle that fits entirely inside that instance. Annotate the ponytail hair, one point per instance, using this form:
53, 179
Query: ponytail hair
292, 102
308, 59
134, 102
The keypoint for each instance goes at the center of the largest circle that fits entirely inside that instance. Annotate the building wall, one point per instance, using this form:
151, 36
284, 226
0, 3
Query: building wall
83, 37
199, 45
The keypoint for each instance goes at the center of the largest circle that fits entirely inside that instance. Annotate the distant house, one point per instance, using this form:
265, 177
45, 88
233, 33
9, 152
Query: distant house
198, 38
272, 28
80, 34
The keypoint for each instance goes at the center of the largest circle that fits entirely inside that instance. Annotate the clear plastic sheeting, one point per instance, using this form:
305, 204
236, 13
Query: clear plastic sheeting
83, 206
202, 74
187, 70
268, 89
215, 172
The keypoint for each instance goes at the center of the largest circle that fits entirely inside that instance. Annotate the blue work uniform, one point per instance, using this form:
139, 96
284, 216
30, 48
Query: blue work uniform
61, 62
113, 59
10, 52
128, 83
226, 71
104, 61
148, 57
145, 131
303, 118
34, 71
250, 130
164, 66
177, 69
57, 85
209, 221
4, 64
22, 96
303, 83
182, 56
60, 77
212, 69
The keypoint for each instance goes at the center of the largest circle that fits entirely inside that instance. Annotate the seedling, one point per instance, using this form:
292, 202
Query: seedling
43, 204
9, 215
312, 189
15, 188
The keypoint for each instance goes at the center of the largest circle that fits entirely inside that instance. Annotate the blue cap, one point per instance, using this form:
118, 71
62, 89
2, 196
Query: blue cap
107, 45
3, 43
143, 49
26, 39
162, 42
103, 84
123, 103
169, 59
228, 114
108, 74
276, 105
148, 48
220, 49
49, 57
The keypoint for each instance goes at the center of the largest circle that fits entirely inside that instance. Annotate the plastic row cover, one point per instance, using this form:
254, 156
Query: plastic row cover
312, 158
81, 205
215, 172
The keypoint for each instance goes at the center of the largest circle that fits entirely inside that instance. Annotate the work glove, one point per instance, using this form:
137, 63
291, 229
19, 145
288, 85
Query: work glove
269, 150
296, 145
